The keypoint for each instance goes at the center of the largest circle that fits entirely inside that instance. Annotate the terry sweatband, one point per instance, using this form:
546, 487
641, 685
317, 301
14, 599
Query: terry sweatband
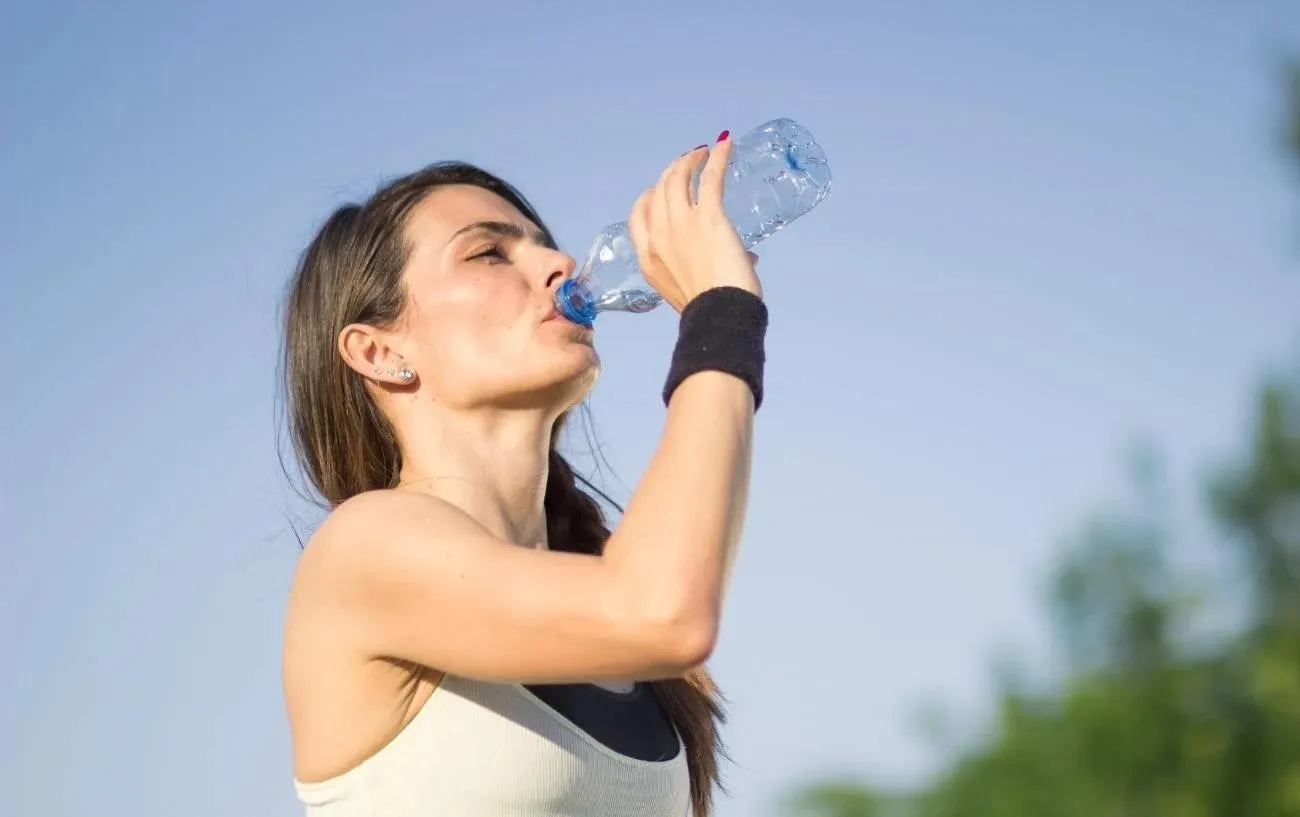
721, 330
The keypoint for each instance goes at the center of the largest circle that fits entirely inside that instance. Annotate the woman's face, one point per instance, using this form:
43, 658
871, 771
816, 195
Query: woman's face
479, 327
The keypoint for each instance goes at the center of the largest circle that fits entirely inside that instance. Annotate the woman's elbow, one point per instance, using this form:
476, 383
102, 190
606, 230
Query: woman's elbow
676, 627
684, 640
694, 644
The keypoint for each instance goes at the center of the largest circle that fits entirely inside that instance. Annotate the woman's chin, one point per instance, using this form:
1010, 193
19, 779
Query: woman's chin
585, 365
575, 379
577, 348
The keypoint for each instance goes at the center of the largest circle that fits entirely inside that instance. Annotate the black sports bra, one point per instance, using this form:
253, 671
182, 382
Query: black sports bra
630, 723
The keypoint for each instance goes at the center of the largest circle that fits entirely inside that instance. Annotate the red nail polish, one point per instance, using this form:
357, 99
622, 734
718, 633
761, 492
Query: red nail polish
724, 135
692, 150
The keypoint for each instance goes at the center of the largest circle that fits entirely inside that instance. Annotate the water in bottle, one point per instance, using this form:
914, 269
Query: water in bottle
777, 172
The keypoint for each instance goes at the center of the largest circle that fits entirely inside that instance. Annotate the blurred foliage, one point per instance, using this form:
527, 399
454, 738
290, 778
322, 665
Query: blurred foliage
1151, 715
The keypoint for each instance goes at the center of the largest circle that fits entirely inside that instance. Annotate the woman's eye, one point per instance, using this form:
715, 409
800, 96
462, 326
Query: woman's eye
491, 253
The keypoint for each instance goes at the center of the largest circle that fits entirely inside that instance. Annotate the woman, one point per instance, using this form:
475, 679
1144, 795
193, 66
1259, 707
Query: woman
461, 624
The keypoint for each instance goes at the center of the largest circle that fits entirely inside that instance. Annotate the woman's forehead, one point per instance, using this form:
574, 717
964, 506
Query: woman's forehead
449, 210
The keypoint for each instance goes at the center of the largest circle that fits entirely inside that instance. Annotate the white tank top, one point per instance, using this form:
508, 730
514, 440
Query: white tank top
480, 749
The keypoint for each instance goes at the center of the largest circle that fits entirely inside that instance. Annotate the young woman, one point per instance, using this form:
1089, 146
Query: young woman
464, 635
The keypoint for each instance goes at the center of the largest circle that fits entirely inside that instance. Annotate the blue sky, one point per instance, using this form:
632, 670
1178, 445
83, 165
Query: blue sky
1053, 227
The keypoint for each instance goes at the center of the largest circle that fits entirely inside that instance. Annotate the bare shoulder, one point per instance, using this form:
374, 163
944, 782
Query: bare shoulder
370, 552
378, 515
377, 535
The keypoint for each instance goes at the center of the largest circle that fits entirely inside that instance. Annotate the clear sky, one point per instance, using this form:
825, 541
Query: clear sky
1053, 227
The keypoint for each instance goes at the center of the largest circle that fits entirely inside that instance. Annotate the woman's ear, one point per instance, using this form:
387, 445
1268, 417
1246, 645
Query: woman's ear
367, 351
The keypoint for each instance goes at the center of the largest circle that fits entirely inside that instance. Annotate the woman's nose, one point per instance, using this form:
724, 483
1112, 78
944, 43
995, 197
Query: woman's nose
559, 270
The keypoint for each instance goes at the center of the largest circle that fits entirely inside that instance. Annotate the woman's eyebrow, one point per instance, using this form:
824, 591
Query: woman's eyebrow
502, 229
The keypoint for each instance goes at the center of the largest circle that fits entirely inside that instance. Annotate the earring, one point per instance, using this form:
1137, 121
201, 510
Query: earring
403, 374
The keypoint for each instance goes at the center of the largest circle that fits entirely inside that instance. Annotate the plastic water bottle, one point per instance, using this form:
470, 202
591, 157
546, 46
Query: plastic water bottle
777, 172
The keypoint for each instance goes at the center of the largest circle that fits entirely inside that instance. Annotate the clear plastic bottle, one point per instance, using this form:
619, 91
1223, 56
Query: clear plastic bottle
777, 172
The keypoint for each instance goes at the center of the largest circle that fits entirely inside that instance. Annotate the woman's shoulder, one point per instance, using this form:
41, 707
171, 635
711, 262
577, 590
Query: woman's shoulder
371, 546
381, 514
378, 532
386, 502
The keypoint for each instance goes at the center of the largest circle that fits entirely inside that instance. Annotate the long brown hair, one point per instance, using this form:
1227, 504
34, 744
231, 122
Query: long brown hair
352, 273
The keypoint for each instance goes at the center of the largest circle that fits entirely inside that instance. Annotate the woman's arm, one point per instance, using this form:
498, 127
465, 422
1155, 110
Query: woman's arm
408, 576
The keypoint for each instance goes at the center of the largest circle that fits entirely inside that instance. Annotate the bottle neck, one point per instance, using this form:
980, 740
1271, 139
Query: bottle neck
575, 303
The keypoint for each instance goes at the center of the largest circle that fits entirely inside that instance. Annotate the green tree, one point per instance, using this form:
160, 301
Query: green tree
836, 798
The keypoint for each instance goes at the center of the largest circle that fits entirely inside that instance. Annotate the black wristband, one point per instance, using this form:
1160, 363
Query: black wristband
721, 330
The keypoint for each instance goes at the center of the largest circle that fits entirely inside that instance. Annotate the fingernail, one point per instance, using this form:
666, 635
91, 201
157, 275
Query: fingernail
722, 137
692, 150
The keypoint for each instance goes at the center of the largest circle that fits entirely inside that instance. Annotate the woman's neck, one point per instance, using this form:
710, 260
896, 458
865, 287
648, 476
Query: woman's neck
492, 466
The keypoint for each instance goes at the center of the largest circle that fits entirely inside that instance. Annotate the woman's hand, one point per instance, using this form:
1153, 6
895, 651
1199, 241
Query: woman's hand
685, 247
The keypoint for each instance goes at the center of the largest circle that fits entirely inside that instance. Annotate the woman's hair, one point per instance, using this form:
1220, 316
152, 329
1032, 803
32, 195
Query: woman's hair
352, 273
